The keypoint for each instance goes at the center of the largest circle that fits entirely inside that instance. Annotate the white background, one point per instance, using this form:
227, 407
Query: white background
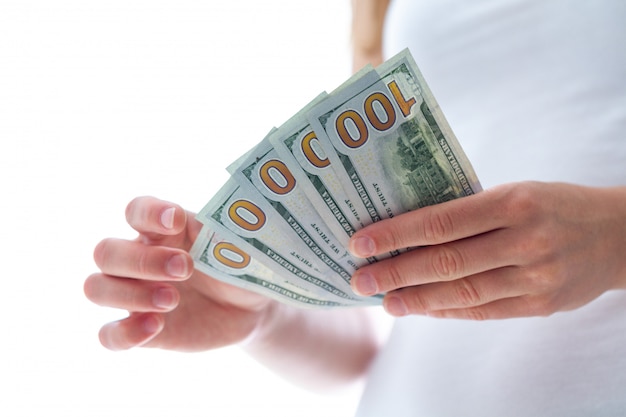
101, 101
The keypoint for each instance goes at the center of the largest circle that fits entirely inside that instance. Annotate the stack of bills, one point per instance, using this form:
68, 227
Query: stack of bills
376, 147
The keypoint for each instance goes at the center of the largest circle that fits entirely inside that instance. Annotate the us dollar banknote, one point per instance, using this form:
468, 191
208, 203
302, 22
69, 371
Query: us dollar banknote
374, 148
297, 144
265, 170
396, 149
221, 259
245, 218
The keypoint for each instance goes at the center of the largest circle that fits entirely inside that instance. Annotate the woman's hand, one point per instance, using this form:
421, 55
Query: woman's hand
524, 249
171, 305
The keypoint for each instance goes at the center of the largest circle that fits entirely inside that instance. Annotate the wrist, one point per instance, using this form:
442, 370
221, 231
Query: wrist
616, 204
621, 224
263, 327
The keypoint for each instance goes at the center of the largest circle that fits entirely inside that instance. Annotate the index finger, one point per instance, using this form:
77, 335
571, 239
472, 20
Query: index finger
440, 223
152, 217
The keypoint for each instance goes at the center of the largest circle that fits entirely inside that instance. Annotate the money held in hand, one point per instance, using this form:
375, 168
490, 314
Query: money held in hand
376, 147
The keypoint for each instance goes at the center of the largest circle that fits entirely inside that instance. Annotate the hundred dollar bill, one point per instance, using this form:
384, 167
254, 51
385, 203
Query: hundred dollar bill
226, 262
396, 148
244, 217
264, 170
297, 144
307, 193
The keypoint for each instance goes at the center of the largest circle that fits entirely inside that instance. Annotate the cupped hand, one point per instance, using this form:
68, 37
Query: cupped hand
523, 249
171, 305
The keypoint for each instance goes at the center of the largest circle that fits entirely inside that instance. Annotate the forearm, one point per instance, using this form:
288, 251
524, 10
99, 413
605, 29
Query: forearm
318, 349
368, 17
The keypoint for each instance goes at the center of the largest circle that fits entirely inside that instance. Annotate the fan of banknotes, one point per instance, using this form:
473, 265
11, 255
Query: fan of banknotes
376, 147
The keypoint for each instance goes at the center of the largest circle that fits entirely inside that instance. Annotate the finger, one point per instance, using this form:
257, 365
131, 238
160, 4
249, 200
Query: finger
153, 217
445, 222
123, 258
133, 331
131, 295
500, 309
466, 292
445, 262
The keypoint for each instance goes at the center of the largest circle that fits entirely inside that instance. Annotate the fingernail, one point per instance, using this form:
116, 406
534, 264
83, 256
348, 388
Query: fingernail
167, 217
164, 298
395, 306
365, 284
177, 266
363, 247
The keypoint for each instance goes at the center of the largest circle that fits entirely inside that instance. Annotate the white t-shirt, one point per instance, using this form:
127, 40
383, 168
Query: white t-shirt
533, 90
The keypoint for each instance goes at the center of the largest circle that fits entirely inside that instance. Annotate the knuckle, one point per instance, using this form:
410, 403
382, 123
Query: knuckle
136, 299
519, 195
392, 239
559, 277
542, 240
143, 264
475, 314
415, 302
521, 201
438, 226
394, 278
447, 263
544, 280
466, 293
535, 246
